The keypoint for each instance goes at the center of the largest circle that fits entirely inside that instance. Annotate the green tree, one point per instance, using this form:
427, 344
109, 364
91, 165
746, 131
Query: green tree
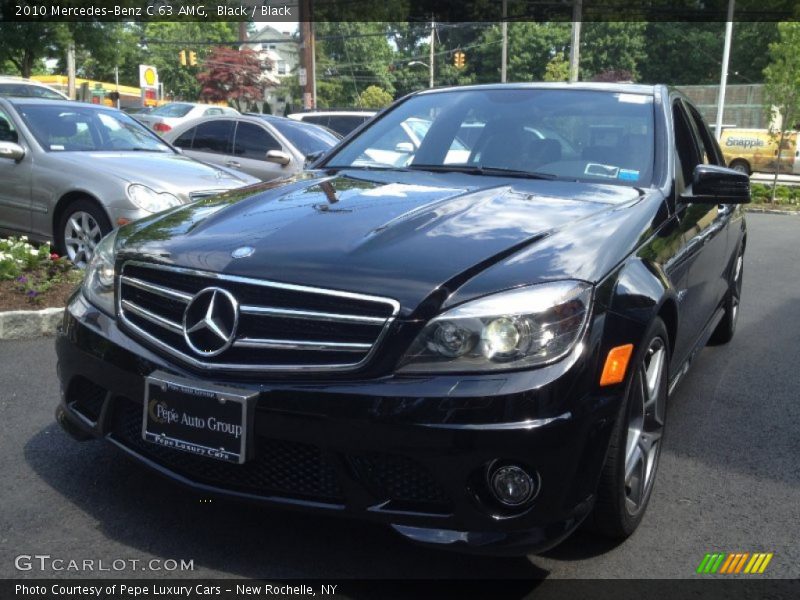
351, 57
374, 97
782, 89
611, 45
666, 53
557, 69
531, 46
24, 45
163, 40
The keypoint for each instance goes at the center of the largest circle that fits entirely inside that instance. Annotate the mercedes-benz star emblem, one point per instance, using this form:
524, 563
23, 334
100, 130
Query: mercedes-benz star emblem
210, 321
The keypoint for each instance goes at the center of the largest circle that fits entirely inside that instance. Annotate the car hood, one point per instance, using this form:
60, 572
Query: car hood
179, 175
395, 234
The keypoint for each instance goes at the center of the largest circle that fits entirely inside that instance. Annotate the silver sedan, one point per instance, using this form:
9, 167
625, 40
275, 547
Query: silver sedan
264, 146
71, 172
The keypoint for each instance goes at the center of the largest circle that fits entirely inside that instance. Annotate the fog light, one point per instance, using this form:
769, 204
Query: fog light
512, 485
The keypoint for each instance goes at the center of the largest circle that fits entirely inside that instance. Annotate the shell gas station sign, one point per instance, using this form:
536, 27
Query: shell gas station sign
148, 82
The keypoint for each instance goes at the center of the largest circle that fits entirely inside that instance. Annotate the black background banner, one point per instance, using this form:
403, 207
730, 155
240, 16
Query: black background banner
712, 588
393, 10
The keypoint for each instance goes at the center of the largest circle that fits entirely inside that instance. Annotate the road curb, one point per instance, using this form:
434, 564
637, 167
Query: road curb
22, 324
771, 211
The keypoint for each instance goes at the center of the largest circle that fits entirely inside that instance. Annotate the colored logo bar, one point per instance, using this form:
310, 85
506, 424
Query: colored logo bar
735, 563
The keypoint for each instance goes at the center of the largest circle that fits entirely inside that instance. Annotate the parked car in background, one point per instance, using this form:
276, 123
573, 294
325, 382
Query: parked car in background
168, 116
340, 121
71, 172
263, 146
19, 87
477, 350
749, 150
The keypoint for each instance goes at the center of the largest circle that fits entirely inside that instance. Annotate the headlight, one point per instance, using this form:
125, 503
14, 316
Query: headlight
519, 328
98, 282
150, 200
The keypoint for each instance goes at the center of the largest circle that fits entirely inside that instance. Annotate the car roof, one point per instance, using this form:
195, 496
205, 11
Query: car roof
621, 88
17, 100
334, 113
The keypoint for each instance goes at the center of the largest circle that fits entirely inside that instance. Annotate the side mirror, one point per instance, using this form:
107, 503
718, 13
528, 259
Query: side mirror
712, 184
404, 147
12, 151
279, 157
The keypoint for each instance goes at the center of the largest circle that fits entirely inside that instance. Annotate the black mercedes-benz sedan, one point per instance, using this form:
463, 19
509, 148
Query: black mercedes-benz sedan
464, 322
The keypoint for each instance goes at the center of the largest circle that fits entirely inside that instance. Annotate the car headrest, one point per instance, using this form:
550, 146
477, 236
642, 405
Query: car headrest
62, 128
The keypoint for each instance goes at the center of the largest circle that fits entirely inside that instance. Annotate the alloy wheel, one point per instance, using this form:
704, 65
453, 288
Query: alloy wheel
81, 234
645, 426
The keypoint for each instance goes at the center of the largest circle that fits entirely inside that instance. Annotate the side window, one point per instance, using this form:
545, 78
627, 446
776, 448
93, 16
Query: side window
344, 124
685, 146
185, 139
7, 131
710, 151
317, 120
253, 141
214, 136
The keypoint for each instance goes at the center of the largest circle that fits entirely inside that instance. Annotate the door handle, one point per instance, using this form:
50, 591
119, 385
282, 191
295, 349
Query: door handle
232, 163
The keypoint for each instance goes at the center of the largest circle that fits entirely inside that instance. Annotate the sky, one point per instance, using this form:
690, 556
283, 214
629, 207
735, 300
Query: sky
291, 27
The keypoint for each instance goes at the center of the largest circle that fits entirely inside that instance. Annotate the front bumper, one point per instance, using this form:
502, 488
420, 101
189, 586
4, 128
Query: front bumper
411, 452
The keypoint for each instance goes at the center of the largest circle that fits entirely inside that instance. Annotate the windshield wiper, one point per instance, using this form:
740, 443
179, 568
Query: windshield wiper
140, 150
481, 170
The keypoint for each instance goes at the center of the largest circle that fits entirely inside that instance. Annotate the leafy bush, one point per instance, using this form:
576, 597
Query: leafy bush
784, 195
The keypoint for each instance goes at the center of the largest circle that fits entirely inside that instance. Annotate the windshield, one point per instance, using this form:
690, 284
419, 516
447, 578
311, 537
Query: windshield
78, 128
308, 139
553, 133
174, 109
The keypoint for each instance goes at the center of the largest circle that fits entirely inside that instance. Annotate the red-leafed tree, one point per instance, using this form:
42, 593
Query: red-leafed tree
231, 75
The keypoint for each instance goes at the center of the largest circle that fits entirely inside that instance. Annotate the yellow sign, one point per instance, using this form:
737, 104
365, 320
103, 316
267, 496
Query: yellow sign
148, 76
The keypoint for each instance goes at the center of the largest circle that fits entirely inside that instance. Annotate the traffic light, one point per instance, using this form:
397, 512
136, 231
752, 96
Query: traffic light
459, 59
192, 58
182, 55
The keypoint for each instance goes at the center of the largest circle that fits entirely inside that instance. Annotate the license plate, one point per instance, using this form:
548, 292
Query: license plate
203, 419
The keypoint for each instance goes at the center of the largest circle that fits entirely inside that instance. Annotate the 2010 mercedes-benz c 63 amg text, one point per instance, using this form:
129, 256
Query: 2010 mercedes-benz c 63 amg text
464, 322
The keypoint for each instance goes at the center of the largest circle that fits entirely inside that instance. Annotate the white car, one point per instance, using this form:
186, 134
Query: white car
168, 116
20, 87
340, 121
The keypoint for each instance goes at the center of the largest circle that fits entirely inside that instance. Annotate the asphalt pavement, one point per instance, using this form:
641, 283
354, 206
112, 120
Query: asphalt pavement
729, 479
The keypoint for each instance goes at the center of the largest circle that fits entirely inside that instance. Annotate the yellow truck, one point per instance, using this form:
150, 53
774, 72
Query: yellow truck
749, 150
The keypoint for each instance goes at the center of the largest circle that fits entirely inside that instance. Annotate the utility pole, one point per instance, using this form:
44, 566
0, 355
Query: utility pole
726, 54
504, 50
71, 71
575, 43
313, 67
116, 82
307, 54
430, 62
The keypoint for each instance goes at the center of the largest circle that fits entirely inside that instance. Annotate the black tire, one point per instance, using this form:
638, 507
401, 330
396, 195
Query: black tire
727, 326
614, 515
96, 217
742, 166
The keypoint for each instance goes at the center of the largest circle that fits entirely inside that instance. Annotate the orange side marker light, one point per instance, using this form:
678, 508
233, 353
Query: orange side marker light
616, 365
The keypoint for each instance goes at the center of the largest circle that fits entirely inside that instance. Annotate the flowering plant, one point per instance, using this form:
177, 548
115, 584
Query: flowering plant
33, 269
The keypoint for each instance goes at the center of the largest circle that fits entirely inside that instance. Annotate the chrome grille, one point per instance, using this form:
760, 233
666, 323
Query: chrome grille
281, 327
